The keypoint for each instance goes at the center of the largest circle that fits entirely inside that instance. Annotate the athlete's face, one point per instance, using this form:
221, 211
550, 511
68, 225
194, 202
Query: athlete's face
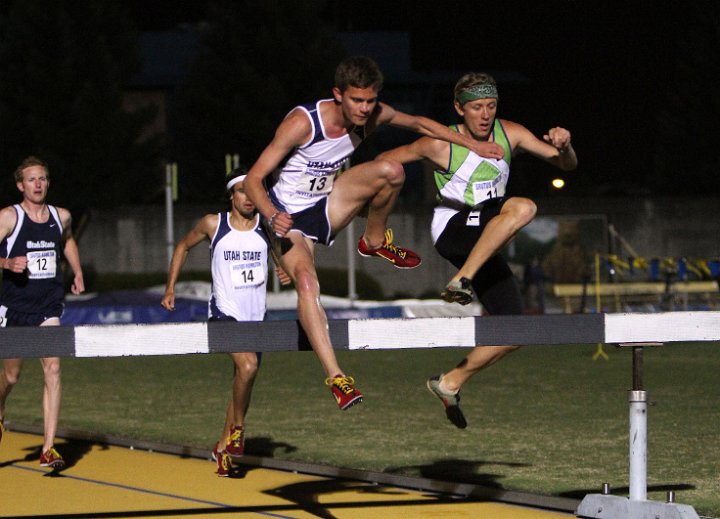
34, 185
478, 116
241, 202
357, 104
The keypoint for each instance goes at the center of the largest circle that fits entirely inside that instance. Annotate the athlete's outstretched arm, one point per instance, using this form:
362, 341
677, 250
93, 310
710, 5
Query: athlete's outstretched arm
430, 128
424, 148
202, 231
555, 148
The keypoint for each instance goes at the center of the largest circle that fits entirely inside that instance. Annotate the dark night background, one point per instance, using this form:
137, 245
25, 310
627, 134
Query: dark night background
633, 81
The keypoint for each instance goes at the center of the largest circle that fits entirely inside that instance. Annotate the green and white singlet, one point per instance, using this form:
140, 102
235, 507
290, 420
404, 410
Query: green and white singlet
470, 180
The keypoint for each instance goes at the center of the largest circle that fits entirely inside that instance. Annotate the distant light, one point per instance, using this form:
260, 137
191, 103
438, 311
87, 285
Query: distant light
558, 183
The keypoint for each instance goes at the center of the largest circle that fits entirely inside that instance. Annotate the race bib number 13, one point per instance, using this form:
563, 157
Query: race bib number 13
316, 185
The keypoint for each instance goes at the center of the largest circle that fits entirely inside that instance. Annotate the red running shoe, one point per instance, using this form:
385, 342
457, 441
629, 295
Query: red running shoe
398, 256
51, 458
224, 464
342, 389
235, 446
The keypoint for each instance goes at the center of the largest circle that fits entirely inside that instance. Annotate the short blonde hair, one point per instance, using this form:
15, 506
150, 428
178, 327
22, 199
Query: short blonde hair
29, 162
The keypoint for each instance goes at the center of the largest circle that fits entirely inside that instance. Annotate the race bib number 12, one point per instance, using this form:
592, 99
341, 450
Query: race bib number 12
42, 264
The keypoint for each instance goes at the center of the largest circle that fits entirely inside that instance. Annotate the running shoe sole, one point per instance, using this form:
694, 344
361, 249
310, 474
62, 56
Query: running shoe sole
456, 296
357, 400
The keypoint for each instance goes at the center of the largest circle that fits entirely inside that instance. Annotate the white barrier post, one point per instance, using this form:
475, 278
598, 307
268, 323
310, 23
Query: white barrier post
638, 445
606, 506
637, 398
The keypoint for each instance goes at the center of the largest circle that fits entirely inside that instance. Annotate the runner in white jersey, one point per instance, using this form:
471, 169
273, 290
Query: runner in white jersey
311, 204
239, 258
474, 220
239, 263
309, 173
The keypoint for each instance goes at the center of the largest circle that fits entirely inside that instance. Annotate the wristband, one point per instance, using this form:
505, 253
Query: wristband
271, 220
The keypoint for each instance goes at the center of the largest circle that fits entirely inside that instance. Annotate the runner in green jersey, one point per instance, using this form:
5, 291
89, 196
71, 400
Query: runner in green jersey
474, 220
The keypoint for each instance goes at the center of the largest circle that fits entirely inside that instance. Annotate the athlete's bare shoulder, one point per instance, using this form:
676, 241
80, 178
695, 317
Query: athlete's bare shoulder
295, 129
511, 126
209, 223
516, 132
8, 218
65, 216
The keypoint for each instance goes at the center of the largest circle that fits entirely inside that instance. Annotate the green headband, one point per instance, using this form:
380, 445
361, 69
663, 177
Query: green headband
481, 91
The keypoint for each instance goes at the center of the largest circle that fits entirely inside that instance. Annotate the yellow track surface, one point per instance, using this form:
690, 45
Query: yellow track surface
113, 482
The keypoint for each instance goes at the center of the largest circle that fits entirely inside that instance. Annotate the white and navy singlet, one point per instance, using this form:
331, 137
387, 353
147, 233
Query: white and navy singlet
239, 264
309, 173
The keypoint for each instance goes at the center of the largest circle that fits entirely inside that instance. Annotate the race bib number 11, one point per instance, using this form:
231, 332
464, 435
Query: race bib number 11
483, 191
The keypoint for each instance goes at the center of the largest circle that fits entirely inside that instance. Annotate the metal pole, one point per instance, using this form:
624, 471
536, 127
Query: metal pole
638, 445
638, 365
275, 280
638, 430
169, 211
350, 233
607, 506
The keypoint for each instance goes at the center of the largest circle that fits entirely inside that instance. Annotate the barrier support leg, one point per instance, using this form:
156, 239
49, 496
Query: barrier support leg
606, 506
637, 397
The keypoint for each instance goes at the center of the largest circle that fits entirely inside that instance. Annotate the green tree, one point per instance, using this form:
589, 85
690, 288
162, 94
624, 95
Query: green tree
257, 61
63, 66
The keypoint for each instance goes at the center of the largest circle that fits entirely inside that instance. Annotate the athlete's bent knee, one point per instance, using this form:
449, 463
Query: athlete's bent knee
392, 171
246, 364
51, 368
523, 209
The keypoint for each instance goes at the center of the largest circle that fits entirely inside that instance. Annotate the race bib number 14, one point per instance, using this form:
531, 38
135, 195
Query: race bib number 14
247, 274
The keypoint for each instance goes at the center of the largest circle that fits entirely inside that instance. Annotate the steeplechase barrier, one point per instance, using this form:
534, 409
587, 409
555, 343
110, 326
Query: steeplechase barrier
358, 334
636, 331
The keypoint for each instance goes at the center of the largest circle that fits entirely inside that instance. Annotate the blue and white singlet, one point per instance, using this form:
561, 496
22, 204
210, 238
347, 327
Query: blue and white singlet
239, 264
309, 173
